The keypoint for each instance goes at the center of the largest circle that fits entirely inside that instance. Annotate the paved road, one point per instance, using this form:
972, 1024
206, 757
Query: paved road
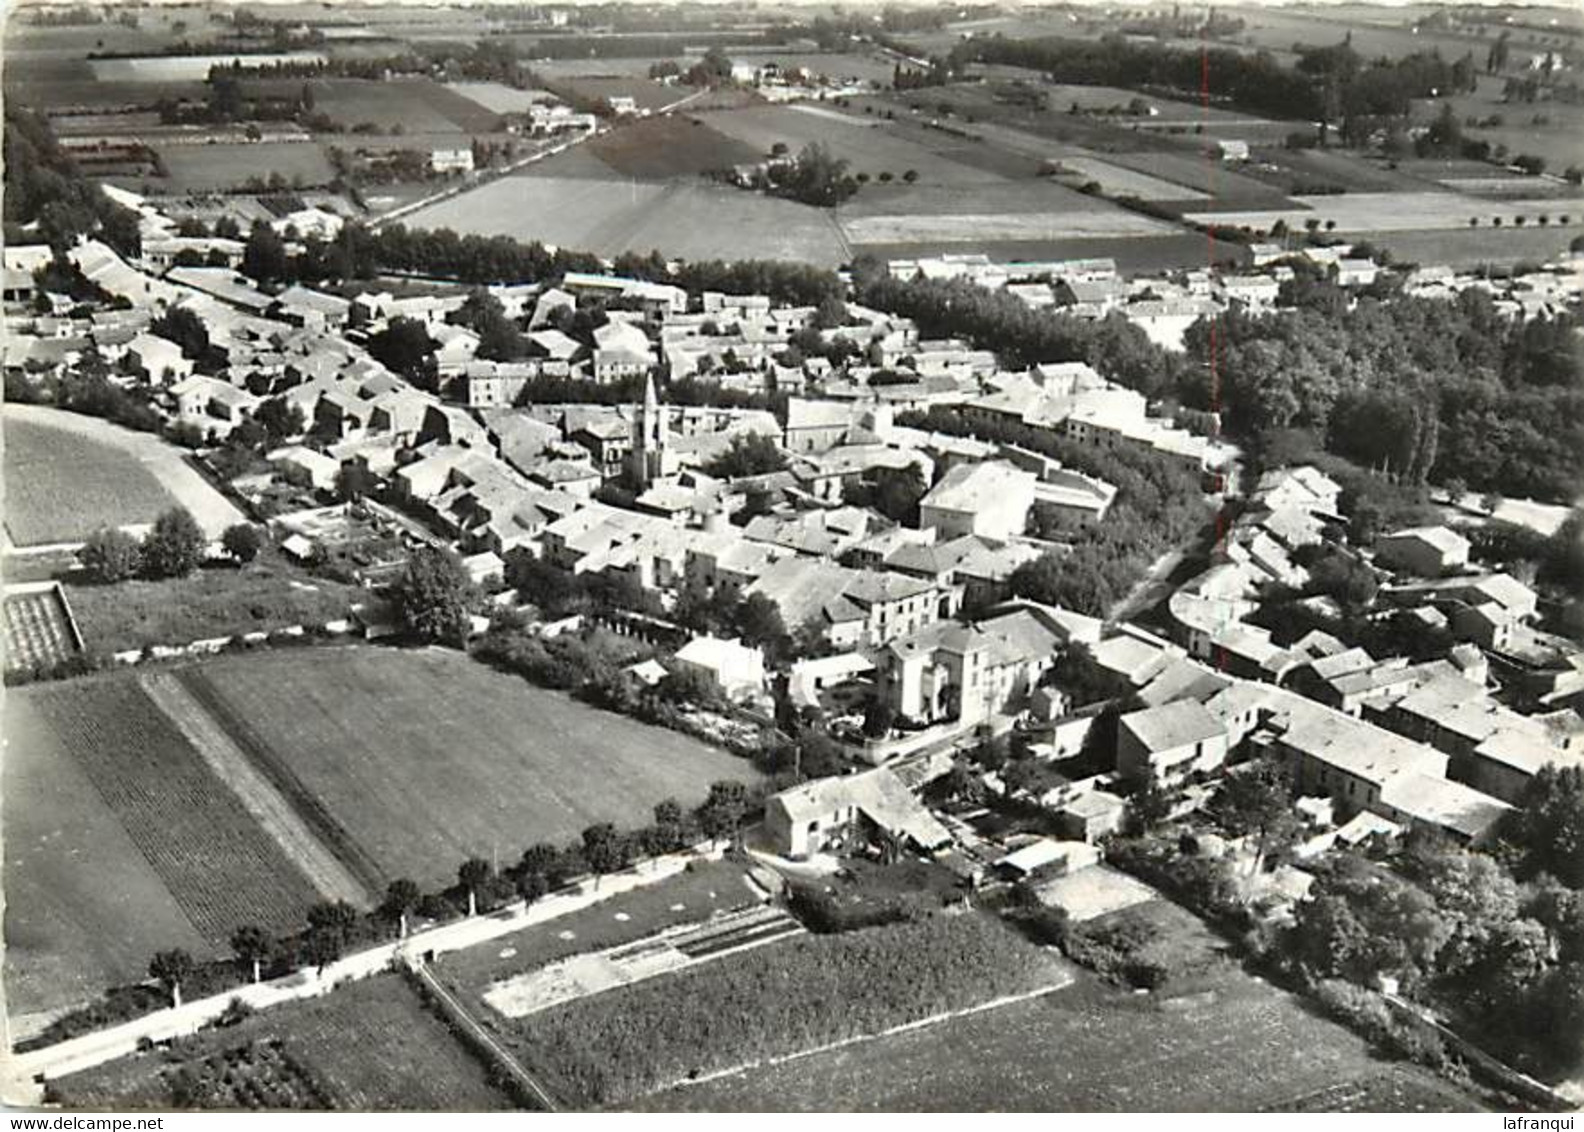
19, 1072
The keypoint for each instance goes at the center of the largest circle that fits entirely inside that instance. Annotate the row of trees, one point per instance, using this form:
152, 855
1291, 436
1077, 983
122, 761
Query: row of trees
334, 927
173, 548
360, 253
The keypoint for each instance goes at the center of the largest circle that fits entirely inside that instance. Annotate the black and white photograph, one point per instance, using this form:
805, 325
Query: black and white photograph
679, 557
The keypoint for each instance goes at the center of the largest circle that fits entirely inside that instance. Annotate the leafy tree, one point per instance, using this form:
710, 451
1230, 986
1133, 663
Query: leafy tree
474, 873
175, 546
1257, 802
183, 327
330, 926
252, 946
670, 824
758, 621
532, 887
404, 347
436, 597
879, 718
1149, 806
604, 849
723, 811
264, 257
281, 418
242, 541
111, 555
353, 481
545, 860
401, 897
170, 969
1547, 827
752, 454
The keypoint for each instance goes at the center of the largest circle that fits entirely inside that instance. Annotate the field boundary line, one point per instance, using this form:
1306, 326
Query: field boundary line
304, 803
259, 797
905, 1027
453, 1006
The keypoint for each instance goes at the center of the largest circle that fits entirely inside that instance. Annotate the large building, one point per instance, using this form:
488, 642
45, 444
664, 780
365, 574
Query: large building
991, 499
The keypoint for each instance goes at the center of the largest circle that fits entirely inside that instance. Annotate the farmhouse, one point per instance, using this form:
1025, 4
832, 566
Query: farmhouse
848, 815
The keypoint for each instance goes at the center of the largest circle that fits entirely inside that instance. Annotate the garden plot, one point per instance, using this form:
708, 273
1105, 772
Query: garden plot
581, 975
1094, 892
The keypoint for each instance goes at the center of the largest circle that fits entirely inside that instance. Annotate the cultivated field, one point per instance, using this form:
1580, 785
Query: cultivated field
498, 98
369, 1046
228, 166
773, 1001
578, 81
868, 144
1228, 1043
119, 841
61, 485
611, 216
416, 105
1365, 213
402, 781
1116, 180
669, 146
68, 474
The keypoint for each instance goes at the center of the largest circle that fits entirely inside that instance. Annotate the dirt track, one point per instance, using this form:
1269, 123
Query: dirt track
272, 811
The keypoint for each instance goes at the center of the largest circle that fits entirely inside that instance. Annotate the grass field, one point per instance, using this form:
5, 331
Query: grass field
228, 166
219, 601
369, 1046
1227, 1043
60, 485
120, 841
416, 760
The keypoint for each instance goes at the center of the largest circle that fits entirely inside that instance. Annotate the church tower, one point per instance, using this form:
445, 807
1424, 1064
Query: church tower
652, 459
